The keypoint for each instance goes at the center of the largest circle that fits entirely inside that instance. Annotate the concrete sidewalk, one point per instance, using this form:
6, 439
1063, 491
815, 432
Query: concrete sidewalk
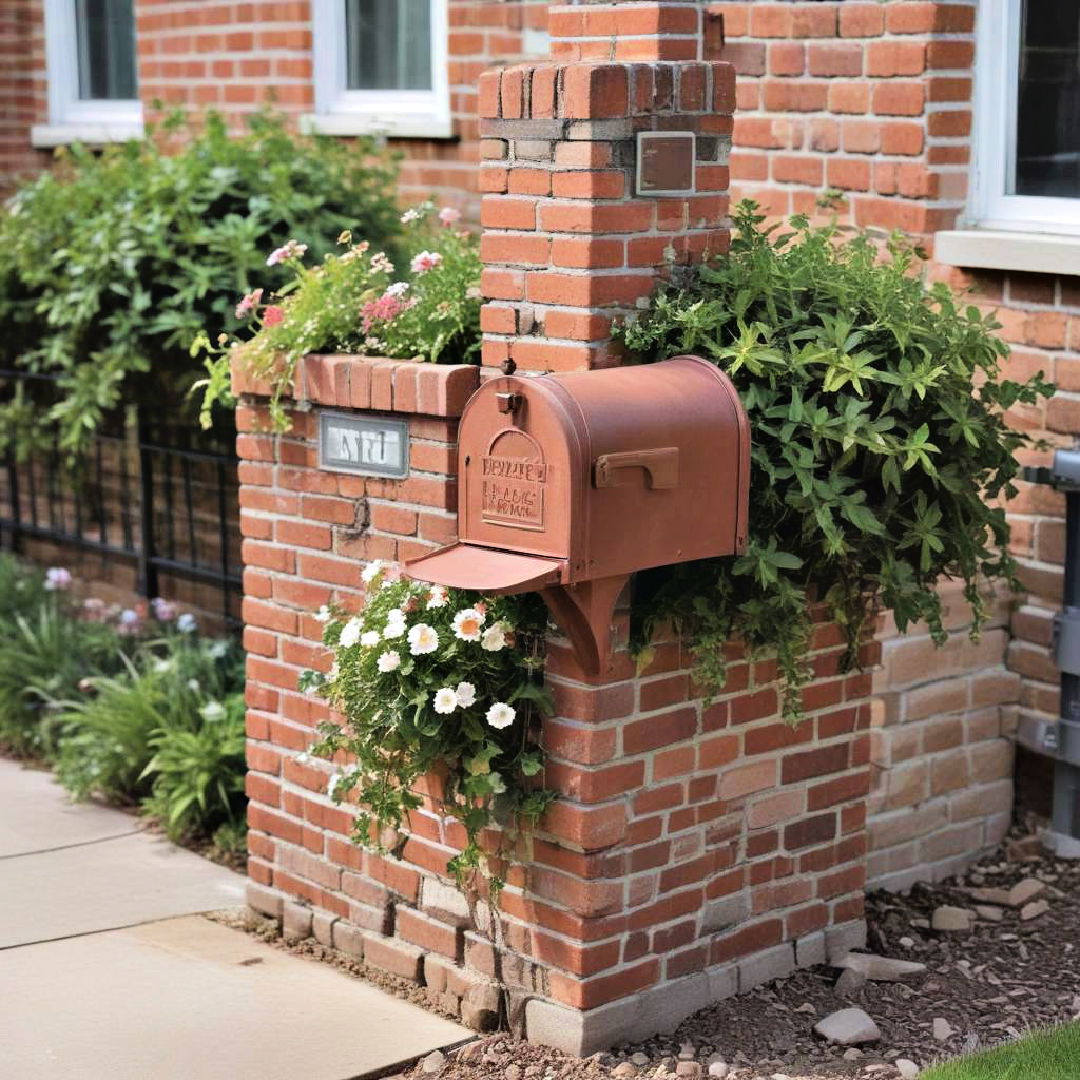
107, 972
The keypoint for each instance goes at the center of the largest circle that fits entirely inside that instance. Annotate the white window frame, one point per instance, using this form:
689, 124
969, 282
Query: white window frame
72, 118
997, 58
397, 113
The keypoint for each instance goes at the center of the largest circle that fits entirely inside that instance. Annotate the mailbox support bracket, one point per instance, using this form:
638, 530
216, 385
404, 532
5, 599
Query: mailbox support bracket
585, 613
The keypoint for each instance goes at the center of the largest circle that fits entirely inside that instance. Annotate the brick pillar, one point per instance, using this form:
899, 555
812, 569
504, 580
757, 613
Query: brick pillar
698, 847
568, 246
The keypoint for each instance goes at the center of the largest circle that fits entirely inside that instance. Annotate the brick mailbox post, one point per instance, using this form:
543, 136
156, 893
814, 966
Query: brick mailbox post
698, 847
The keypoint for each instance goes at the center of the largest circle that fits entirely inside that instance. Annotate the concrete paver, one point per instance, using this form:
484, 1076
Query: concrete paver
194, 999
38, 815
107, 972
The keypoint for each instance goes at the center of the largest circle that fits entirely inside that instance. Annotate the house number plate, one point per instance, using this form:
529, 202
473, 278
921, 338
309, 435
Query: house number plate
368, 445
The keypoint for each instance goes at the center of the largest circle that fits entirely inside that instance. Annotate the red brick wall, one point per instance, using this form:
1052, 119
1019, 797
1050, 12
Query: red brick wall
870, 99
22, 87
698, 847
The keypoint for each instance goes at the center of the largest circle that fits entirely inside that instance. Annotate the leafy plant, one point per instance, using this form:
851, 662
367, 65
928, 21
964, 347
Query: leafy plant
198, 774
44, 655
880, 446
112, 263
357, 302
433, 680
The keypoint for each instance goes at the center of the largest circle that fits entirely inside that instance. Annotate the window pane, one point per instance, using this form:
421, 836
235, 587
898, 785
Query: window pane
105, 32
388, 44
1048, 111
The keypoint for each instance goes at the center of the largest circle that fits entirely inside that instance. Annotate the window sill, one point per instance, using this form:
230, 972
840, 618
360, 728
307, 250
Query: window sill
993, 249
48, 136
392, 127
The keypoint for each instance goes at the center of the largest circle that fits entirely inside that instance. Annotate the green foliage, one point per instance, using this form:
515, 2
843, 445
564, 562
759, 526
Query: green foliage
111, 264
198, 774
166, 731
880, 452
357, 302
434, 680
44, 655
1050, 1054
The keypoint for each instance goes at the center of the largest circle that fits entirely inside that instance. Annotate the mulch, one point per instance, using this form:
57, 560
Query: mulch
990, 984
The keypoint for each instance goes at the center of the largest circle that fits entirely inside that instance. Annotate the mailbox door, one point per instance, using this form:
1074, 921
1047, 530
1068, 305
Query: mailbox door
522, 471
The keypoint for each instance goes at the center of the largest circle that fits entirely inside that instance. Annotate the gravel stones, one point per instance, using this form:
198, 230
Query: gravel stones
1033, 910
880, 968
434, 1063
942, 1029
951, 919
848, 1027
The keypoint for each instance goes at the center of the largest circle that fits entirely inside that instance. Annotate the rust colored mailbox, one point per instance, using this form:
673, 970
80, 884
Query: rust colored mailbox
570, 483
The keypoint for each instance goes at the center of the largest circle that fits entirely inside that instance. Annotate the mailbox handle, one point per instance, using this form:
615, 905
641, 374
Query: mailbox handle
661, 467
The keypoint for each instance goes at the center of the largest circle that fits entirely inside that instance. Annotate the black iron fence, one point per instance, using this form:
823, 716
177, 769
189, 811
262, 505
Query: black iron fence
159, 498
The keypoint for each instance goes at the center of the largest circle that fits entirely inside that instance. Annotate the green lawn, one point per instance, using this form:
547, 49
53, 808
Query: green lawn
1053, 1054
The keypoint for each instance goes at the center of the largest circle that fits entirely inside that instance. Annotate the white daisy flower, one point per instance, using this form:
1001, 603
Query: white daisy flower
466, 694
501, 715
161, 666
350, 633
323, 614
372, 571
437, 597
370, 637
389, 661
446, 700
468, 624
395, 624
422, 639
494, 638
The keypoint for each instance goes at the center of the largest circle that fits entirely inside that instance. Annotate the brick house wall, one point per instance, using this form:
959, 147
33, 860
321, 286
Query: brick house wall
22, 86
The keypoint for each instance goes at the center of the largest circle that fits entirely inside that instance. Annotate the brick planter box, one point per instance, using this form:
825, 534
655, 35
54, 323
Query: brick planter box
698, 848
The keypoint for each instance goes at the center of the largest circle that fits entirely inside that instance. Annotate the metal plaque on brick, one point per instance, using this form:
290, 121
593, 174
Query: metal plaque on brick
665, 162
368, 445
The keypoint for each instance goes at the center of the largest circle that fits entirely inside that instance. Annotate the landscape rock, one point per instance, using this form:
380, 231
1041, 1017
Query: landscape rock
1033, 910
989, 913
718, 1068
951, 919
690, 1069
848, 1027
640, 1060
907, 1068
849, 983
434, 1063
1025, 891
942, 1029
626, 1071
880, 968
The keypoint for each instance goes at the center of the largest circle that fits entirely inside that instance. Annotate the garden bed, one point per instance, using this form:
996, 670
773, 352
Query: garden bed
989, 984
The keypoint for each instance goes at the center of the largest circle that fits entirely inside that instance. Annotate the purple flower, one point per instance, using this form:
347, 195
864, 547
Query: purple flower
164, 610
57, 579
289, 250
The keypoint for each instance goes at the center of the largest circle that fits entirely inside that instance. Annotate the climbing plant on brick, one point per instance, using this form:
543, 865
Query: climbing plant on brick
881, 448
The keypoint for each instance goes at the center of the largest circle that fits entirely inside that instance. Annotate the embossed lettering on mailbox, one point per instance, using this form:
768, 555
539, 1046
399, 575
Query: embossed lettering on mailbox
514, 474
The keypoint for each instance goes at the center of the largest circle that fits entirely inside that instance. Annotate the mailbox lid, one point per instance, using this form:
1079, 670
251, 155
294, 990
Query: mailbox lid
484, 569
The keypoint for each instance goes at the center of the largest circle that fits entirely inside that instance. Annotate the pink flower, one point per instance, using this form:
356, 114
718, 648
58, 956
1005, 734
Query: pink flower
384, 309
381, 264
448, 216
425, 261
290, 250
273, 315
164, 610
248, 303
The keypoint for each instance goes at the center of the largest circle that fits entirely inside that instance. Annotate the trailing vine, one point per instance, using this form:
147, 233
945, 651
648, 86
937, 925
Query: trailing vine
437, 681
881, 450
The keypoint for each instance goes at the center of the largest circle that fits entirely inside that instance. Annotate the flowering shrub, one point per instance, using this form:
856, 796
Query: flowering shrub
357, 301
433, 680
113, 261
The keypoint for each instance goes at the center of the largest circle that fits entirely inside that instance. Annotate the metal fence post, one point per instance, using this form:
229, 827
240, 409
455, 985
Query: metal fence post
148, 574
